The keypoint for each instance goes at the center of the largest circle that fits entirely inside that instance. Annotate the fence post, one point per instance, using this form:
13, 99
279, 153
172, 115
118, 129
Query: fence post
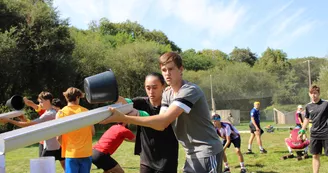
2, 164
43, 165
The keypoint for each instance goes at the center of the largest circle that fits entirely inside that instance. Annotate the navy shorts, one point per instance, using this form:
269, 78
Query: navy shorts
253, 129
236, 142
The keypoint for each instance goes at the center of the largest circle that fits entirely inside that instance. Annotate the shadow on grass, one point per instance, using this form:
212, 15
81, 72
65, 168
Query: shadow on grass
127, 167
257, 165
283, 152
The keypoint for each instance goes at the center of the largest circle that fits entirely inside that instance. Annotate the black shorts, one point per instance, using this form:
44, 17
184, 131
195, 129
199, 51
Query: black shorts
253, 128
40, 149
55, 153
316, 146
103, 160
147, 169
236, 142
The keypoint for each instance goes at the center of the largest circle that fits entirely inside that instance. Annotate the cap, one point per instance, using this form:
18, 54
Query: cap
216, 117
300, 106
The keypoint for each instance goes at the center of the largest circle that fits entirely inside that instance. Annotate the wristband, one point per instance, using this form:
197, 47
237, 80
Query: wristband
301, 131
38, 109
143, 113
128, 100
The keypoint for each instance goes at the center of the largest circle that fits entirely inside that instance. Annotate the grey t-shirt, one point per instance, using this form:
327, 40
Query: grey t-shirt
49, 144
193, 128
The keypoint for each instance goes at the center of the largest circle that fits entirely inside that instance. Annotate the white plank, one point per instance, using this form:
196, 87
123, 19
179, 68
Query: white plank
29, 135
12, 114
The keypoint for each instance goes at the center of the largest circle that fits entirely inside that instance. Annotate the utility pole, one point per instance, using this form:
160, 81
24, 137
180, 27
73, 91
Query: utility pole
309, 71
212, 98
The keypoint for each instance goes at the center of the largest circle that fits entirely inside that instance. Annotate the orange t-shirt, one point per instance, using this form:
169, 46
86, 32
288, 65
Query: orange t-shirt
78, 143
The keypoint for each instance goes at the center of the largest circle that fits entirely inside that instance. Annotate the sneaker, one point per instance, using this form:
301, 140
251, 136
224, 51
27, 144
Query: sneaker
290, 156
243, 170
226, 170
263, 151
305, 156
283, 157
249, 152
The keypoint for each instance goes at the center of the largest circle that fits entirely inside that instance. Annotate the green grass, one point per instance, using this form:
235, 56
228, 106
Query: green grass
18, 161
245, 125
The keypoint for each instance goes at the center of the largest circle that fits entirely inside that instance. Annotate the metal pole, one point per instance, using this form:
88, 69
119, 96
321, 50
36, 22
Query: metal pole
309, 71
212, 98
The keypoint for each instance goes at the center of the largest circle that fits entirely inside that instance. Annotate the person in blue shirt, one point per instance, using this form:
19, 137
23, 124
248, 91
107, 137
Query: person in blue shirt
255, 129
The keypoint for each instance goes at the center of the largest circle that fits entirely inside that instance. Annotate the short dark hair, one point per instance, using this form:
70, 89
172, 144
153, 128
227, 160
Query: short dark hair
57, 102
45, 96
314, 88
72, 93
158, 75
171, 57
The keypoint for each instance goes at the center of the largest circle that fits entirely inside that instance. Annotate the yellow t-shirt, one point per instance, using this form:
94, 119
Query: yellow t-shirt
78, 143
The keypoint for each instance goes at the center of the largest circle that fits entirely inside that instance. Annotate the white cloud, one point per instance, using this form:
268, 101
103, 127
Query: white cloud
215, 17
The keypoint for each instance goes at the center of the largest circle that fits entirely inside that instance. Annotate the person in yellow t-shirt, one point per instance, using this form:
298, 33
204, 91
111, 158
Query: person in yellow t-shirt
76, 145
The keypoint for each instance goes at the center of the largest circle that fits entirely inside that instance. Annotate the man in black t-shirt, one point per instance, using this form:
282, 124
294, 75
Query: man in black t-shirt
317, 111
158, 150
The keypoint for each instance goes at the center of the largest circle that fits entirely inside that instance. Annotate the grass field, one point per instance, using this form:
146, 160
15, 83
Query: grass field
18, 161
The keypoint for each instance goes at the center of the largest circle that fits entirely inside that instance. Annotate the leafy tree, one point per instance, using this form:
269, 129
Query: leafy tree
132, 62
243, 55
39, 46
300, 65
323, 82
274, 61
196, 61
288, 90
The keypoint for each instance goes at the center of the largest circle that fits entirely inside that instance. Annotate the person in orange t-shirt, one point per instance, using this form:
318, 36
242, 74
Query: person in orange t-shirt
76, 145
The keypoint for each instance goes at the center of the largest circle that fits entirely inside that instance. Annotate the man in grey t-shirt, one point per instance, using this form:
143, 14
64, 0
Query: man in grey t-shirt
185, 107
51, 146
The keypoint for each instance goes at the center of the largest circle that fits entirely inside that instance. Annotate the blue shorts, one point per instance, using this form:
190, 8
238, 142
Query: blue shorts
78, 165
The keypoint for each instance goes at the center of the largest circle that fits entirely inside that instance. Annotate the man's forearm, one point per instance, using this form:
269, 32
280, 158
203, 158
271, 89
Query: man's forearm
157, 122
305, 123
227, 144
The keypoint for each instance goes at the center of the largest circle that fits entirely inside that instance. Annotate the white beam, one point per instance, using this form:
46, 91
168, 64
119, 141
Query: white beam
12, 114
29, 135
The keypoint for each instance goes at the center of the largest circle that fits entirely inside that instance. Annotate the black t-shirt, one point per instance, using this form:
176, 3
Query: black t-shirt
318, 113
157, 149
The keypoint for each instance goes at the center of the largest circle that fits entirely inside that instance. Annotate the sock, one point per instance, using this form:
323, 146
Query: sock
249, 146
242, 165
290, 150
261, 148
226, 165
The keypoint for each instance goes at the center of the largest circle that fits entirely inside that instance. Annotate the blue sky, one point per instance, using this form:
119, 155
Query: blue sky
298, 27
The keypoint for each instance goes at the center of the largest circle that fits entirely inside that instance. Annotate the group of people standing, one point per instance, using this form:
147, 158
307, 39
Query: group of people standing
177, 113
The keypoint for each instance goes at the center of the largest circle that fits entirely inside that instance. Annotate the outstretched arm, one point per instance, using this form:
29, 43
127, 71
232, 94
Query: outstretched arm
30, 103
17, 123
157, 122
